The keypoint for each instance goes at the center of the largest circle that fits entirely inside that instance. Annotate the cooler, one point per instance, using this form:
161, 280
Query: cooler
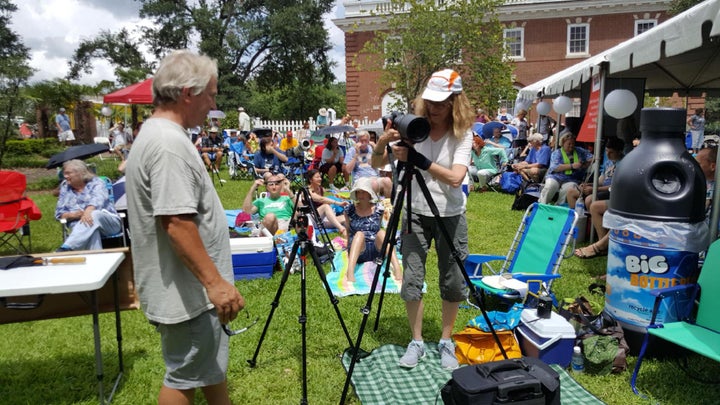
550, 340
252, 257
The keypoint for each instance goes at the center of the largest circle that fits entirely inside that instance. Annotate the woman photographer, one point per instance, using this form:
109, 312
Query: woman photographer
443, 159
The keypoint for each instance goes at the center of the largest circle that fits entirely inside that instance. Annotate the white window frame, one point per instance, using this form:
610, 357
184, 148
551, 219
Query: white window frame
521, 41
638, 23
570, 27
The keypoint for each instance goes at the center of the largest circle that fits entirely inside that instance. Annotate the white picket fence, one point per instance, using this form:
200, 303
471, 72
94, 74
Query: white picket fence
283, 126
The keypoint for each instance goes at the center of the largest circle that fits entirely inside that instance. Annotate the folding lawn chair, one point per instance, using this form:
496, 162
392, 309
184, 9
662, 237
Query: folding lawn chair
16, 212
534, 258
699, 333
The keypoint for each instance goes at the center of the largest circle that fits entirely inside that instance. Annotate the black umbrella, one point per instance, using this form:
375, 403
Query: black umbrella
262, 132
76, 152
334, 129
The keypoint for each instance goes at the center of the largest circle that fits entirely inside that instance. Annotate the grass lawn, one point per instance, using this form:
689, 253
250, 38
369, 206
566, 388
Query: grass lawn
51, 361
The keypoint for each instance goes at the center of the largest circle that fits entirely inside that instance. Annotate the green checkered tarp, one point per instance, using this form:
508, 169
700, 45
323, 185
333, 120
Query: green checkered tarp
378, 379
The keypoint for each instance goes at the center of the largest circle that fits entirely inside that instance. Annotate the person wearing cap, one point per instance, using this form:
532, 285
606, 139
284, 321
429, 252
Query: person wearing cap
288, 143
62, 122
442, 160
485, 160
363, 218
322, 118
211, 149
568, 164
243, 121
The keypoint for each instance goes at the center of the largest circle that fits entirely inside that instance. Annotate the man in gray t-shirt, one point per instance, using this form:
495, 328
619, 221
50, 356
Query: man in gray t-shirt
180, 241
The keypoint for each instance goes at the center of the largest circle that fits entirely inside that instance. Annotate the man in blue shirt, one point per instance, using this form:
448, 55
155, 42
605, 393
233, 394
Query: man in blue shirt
537, 159
62, 122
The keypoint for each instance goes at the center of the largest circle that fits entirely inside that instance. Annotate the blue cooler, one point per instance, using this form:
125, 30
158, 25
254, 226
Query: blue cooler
550, 340
252, 257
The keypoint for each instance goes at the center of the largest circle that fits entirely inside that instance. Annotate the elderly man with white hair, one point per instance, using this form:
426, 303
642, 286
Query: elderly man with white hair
181, 245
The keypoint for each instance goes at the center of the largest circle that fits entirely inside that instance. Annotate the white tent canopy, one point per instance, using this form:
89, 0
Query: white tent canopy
680, 55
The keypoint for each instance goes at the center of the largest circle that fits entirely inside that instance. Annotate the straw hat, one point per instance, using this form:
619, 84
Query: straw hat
323, 112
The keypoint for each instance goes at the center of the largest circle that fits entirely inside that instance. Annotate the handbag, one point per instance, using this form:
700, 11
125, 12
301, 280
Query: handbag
473, 346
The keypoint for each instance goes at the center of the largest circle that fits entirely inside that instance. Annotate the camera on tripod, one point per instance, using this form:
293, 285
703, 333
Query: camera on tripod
411, 127
300, 221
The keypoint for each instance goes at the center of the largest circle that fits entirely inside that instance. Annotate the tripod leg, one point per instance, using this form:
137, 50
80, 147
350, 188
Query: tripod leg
389, 241
276, 301
459, 260
333, 299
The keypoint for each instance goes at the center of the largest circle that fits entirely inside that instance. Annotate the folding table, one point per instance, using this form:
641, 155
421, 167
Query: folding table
87, 277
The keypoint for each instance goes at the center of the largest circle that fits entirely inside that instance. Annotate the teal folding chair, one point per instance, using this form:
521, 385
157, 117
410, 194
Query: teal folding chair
534, 258
701, 333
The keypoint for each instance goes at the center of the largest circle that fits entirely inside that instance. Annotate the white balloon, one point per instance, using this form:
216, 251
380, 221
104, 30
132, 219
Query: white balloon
106, 111
620, 103
543, 108
562, 104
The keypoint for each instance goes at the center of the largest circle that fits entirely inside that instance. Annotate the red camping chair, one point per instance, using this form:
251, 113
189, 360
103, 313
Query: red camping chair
16, 212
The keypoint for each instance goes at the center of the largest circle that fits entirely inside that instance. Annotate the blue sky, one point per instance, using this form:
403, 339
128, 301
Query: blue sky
52, 29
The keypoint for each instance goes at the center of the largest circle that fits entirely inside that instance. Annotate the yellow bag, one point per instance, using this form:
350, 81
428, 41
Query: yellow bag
473, 346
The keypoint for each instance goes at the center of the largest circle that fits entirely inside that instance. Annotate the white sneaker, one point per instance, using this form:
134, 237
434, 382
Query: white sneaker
448, 361
415, 351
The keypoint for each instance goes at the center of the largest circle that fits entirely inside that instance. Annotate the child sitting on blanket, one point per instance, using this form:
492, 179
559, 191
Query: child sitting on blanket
363, 218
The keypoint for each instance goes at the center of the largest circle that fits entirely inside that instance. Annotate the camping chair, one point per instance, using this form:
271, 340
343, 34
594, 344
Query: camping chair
119, 239
701, 333
238, 166
16, 212
534, 258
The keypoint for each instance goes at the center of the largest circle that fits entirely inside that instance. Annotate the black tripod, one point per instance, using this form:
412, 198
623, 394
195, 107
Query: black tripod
304, 245
408, 171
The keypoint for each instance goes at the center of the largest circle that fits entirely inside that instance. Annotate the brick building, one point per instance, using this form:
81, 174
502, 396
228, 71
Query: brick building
543, 36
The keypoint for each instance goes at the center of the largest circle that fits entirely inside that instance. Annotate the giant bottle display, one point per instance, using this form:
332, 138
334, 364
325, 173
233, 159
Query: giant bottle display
656, 219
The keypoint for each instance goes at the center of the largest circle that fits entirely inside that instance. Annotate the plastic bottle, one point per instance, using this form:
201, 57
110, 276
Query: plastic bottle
577, 363
580, 206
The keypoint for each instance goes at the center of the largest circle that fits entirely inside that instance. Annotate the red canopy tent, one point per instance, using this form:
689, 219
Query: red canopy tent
138, 93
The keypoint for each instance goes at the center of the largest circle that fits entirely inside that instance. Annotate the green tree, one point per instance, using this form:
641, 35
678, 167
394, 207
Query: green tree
49, 96
14, 73
678, 6
274, 42
119, 49
425, 36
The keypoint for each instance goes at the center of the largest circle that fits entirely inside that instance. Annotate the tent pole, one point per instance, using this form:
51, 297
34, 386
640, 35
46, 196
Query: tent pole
598, 141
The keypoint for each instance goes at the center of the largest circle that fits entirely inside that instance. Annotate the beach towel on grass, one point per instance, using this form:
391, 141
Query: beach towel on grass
364, 273
377, 379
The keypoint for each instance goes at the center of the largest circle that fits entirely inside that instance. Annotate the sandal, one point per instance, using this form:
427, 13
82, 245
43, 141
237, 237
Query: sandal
588, 252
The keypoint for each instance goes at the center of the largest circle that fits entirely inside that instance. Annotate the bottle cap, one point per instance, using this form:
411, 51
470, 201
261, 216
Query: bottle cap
577, 350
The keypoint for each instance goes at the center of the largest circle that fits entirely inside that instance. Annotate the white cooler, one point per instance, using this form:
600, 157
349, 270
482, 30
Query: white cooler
550, 340
253, 257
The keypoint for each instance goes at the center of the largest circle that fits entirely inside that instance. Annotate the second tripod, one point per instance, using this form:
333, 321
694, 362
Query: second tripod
302, 246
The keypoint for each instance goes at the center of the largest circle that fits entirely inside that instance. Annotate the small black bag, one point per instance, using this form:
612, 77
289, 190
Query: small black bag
527, 380
528, 194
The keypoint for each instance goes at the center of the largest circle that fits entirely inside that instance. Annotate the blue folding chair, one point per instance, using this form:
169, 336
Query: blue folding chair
534, 258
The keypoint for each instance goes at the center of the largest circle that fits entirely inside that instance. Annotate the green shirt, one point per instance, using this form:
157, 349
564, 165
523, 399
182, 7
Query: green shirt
282, 207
